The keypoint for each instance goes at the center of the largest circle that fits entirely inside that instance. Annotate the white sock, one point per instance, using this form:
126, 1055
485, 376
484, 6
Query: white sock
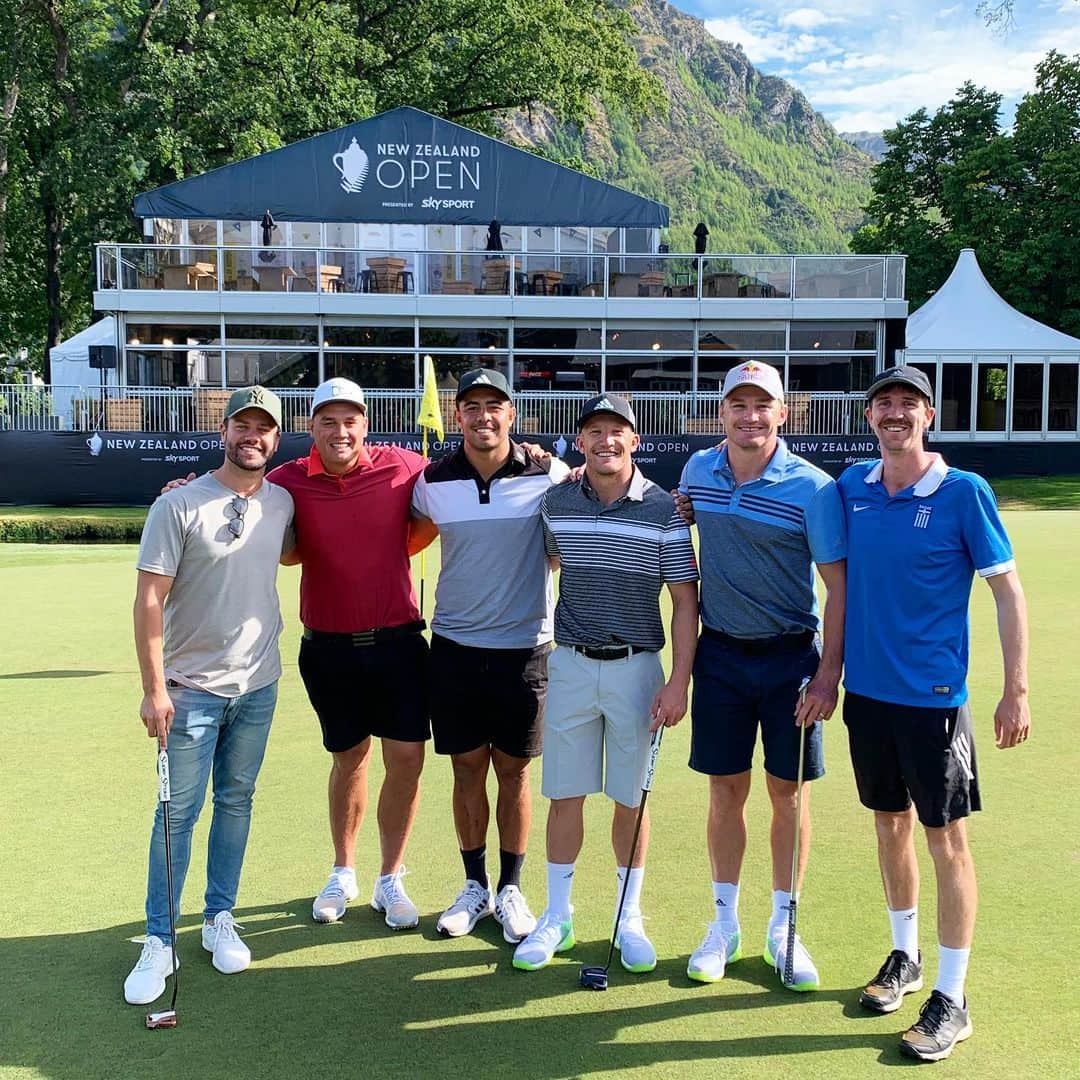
345, 870
781, 901
632, 904
726, 902
905, 932
952, 970
560, 880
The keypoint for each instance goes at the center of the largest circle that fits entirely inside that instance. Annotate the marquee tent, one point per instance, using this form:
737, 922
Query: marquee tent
69, 363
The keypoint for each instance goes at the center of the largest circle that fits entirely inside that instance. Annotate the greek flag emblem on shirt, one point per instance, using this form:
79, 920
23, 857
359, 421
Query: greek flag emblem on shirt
922, 517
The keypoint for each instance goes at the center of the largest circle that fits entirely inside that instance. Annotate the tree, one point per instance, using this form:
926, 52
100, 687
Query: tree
958, 179
100, 99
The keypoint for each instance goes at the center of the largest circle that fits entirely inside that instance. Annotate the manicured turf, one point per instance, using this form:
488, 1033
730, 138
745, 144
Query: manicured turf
354, 999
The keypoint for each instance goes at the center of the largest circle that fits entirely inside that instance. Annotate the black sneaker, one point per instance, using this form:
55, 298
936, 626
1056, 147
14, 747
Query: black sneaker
941, 1025
898, 976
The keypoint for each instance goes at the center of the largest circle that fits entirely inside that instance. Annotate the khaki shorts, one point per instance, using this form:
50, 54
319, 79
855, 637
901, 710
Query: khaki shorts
598, 712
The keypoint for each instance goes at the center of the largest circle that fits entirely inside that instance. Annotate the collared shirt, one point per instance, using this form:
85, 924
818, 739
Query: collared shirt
758, 541
352, 535
494, 586
613, 561
912, 559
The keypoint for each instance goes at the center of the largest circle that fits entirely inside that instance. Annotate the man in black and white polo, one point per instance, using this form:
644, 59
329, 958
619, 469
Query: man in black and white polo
617, 539
491, 635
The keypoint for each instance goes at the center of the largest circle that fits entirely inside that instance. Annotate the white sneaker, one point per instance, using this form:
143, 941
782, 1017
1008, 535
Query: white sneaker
804, 976
722, 946
330, 904
636, 952
390, 897
512, 912
146, 981
220, 938
553, 934
473, 903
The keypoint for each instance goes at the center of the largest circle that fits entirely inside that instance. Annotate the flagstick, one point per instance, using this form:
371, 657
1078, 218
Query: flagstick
423, 552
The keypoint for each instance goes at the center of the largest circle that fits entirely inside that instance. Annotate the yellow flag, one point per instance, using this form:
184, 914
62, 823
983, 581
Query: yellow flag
430, 414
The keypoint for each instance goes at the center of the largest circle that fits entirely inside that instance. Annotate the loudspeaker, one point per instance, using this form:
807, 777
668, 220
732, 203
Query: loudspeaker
102, 357
895, 339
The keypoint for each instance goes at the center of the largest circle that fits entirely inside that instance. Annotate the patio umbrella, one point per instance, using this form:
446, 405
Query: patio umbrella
701, 237
494, 237
268, 226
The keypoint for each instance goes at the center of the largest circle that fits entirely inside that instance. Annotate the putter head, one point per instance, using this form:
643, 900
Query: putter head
164, 1019
594, 978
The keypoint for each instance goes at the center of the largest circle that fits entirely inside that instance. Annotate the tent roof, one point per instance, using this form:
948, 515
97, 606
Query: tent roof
103, 332
966, 315
402, 166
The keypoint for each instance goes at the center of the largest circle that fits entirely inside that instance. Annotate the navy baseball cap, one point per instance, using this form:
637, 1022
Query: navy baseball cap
483, 377
607, 403
901, 376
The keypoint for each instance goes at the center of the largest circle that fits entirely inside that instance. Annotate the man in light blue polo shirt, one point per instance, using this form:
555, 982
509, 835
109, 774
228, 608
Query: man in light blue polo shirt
918, 533
764, 517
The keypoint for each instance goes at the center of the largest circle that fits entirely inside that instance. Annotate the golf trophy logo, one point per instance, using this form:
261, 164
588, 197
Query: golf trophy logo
561, 446
95, 443
352, 163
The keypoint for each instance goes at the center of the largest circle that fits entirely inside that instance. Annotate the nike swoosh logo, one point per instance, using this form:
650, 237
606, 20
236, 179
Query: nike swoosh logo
856, 509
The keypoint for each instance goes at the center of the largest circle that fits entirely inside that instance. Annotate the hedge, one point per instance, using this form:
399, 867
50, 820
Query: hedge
70, 530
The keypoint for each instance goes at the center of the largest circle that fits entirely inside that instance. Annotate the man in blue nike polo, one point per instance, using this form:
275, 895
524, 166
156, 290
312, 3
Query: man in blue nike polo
918, 532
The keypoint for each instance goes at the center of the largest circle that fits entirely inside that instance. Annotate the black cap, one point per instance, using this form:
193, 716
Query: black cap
483, 376
607, 403
901, 376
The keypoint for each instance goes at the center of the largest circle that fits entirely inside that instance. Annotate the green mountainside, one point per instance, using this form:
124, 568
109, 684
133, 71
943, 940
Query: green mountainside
744, 152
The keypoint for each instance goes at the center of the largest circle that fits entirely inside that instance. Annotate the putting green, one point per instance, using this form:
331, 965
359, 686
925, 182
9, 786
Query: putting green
354, 999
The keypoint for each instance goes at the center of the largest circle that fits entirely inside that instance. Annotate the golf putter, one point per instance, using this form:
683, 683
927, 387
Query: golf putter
596, 978
788, 974
166, 1018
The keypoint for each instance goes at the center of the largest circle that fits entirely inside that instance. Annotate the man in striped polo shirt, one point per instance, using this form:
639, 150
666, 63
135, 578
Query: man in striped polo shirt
763, 516
617, 539
491, 635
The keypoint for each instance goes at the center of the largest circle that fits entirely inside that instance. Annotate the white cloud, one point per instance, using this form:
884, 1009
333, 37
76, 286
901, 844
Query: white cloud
806, 18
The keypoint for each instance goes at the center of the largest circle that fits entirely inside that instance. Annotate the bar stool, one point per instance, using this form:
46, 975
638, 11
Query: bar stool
539, 283
368, 282
404, 281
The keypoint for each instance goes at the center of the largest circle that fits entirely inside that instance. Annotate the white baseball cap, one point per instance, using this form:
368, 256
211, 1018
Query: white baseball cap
337, 390
755, 373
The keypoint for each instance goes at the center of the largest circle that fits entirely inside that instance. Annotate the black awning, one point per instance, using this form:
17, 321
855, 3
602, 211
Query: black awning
402, 166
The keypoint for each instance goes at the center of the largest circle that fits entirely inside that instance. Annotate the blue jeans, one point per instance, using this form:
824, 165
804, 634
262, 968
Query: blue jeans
228, 737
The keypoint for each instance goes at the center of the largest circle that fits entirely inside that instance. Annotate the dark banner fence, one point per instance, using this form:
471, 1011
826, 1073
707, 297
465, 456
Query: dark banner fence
129, 468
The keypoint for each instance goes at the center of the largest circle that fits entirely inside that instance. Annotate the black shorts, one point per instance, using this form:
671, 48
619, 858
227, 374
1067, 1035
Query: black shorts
362, 690
488, 697
903, 754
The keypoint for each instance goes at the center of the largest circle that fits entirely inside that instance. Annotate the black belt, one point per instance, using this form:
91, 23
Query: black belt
754, 646
367, 637
616, 653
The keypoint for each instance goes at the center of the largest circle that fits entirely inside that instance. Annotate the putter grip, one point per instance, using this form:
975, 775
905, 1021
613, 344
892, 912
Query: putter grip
164, 791
654, 750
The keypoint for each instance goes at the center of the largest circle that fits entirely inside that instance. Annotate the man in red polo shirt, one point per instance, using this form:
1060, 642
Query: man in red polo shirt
363, 658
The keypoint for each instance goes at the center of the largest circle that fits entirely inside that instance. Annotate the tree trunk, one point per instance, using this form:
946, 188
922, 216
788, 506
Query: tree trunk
53, 225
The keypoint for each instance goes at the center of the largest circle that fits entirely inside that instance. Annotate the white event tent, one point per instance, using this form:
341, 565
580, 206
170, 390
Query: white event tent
69, 364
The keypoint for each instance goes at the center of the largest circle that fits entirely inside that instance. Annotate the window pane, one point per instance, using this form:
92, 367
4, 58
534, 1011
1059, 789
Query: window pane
573, 239
369, 336
738, 338
529, 338
656, 340
821, 371
391, 371
556, 371
955, 397
605, 241
829, 335
172, 334
450, 368
343, 234
305, 234
201, 231
1063, 385
464, 337
648, 371
541, 238
272, 368
1027, 397
992, 393
269, 334
173, 367
712, 367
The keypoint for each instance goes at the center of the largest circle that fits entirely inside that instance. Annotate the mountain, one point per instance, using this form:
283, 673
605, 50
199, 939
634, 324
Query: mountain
871, 143
742, 151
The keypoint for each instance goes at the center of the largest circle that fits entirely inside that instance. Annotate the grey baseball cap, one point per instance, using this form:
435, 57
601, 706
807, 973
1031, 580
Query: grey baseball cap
901, 376
607, 403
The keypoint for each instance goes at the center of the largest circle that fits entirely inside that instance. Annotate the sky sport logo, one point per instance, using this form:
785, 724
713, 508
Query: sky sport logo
922, 517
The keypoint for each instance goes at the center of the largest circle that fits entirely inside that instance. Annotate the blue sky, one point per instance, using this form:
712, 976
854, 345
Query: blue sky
865, 66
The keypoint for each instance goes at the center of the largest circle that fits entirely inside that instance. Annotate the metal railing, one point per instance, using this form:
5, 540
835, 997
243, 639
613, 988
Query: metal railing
190, 409
224, 268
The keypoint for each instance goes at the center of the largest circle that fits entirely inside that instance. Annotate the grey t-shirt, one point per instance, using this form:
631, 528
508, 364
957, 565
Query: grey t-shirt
222, 619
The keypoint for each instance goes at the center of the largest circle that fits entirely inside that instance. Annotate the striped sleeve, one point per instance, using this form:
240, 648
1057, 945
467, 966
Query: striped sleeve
551, 546
677, 560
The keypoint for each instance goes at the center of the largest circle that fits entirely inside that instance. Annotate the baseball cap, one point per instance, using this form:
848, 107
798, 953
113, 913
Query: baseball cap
754, 373
254, 397
607, 403
337, 389
483, 377
901, 376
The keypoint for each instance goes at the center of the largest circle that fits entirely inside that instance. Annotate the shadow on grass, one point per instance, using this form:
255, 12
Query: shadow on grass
52, 674
433, 1011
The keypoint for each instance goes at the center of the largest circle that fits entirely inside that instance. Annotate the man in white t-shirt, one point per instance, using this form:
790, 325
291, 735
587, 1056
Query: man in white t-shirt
207, 624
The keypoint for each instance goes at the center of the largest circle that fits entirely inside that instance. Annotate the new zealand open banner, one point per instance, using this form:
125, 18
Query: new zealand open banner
61, 468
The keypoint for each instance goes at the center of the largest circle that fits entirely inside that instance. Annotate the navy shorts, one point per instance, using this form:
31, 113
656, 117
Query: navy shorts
738, 690
488, 697
362, 690
904, 754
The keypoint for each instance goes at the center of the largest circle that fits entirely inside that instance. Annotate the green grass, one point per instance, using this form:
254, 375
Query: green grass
354, 999
1041, 493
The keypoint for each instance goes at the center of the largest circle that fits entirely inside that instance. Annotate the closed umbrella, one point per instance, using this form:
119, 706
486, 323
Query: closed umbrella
494, 237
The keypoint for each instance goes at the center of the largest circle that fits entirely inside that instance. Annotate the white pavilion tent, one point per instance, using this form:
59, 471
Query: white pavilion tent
69, 364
